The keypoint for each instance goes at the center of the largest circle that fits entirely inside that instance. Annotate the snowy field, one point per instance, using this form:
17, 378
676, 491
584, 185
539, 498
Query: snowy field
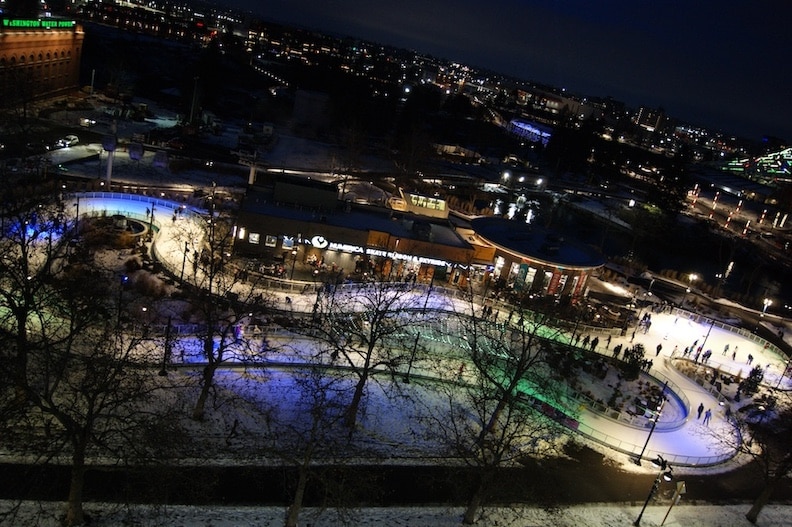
595, 515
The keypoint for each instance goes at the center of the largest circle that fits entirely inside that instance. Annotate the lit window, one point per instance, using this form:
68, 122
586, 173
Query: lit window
254, 238
271, 241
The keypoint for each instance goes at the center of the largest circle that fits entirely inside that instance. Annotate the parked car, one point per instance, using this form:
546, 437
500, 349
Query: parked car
69, 140
37, 147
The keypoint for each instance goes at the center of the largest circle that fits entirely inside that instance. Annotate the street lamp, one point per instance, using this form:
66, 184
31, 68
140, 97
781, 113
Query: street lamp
77, 217
124, 281
765, 304
184, 260
166, 353
151, 222
712, 323
294, 262
784, 369
665, 474
656, 418
418, 333
692, 277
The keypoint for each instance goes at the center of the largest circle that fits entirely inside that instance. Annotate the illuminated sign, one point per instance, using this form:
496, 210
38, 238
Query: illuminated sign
345, 247
36, 24
320, 242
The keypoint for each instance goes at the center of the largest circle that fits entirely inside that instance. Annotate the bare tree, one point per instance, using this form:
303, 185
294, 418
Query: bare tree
365, 327
86, 386
32, 230
506, 402
224, 300
310, 431
761, 431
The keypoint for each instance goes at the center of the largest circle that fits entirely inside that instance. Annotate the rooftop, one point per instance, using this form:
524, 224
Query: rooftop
536, 243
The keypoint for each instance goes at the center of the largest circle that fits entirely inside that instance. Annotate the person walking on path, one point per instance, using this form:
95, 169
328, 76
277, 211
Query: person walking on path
659, 349
726, 349
700, 409
607, 342
707, 416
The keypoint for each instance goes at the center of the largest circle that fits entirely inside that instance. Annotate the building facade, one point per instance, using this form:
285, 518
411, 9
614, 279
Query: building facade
38, 58
534, 260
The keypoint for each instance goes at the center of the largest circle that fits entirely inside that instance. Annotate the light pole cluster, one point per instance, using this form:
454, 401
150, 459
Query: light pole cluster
665, 474
655, 418
765, 304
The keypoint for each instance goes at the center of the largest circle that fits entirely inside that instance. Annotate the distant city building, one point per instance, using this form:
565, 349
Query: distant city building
650, 119
38, 58
533, 132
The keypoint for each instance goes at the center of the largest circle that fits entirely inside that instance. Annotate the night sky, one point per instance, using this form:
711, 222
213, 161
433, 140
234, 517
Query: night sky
725, 65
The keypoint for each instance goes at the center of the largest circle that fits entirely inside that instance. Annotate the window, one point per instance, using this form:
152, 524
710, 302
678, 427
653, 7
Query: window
271, 241
254, 238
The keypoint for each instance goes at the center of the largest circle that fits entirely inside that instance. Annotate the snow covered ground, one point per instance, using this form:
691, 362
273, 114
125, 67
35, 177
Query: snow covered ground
594, 515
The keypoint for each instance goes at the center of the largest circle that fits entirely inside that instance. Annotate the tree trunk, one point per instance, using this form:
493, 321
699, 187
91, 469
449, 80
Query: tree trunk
74, 508
493, 419
206, 386
293, 513
21, 359
761, 500
350, 415
474, 503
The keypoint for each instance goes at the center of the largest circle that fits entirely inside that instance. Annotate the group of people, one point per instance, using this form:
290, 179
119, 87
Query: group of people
699, 353
707, 414
588, 342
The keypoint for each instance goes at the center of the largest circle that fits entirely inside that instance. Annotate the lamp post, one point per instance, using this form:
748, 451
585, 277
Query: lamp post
784, 369
656, 418
665, 474
184, 261
418, 334
692, 277
124, 280
77, 216
712, 323
680, 489
151, 222
166, 353
294, 262
765, 304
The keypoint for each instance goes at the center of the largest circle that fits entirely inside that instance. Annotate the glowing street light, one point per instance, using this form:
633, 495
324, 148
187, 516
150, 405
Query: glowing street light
294, 262
665, 474
655, 418
692, 277
765, 304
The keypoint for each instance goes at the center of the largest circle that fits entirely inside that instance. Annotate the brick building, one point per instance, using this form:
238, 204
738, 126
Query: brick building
39, 57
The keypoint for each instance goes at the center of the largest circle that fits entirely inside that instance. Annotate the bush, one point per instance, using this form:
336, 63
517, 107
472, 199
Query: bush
133, 264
